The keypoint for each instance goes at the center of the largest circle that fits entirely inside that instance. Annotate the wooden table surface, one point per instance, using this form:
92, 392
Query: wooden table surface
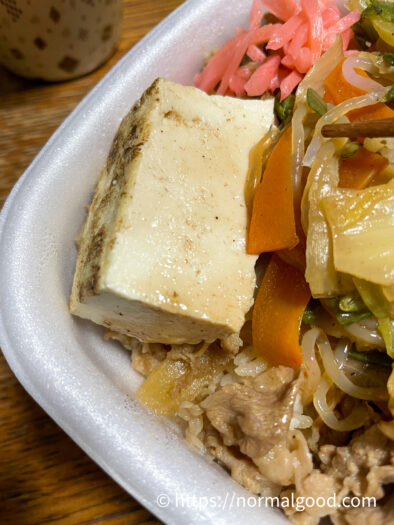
44, 476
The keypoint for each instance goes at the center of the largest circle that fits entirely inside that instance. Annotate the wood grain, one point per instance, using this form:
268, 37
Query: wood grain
44, 476
353, 130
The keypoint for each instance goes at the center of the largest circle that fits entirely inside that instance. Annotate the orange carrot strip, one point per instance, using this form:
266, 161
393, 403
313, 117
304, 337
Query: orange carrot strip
360, 169
296, 256
272, 225
337, 90
277, 314
376, 112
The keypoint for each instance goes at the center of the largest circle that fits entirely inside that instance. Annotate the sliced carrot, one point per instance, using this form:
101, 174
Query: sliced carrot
272, 225
296, 256
360, 169
376, 112
338, 89
277, 314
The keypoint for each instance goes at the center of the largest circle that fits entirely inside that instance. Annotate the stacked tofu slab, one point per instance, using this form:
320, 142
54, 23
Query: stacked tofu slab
162, 254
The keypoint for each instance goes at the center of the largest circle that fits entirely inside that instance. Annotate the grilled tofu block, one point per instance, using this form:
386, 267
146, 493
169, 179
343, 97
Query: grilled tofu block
162, 253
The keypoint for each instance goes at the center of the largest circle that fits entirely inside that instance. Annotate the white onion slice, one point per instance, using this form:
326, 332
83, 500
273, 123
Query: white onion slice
311, 152
364, 83
298, 144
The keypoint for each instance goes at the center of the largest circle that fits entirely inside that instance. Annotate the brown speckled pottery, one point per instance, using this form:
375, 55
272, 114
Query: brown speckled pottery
57, 39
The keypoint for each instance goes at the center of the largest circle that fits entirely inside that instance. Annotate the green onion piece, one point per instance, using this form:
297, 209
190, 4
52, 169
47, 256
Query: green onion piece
349, 149
309, 316
372, 357
284, 109
389, 96
347, 318
315, 102
389, 58
383, 9
351, 303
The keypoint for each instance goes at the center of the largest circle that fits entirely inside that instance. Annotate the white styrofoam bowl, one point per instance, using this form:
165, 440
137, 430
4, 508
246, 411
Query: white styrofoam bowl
84, 383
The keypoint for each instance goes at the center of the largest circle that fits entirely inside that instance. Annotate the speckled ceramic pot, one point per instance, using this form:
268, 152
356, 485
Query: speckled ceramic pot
57, 39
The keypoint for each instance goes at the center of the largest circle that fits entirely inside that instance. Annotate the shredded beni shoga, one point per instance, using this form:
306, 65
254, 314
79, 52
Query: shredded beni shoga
263, 58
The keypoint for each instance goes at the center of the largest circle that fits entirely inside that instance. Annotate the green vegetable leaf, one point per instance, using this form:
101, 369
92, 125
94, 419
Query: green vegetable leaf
389, 96
349, 149
315, 102
372, 357
383, 9
284, 109
389, 58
